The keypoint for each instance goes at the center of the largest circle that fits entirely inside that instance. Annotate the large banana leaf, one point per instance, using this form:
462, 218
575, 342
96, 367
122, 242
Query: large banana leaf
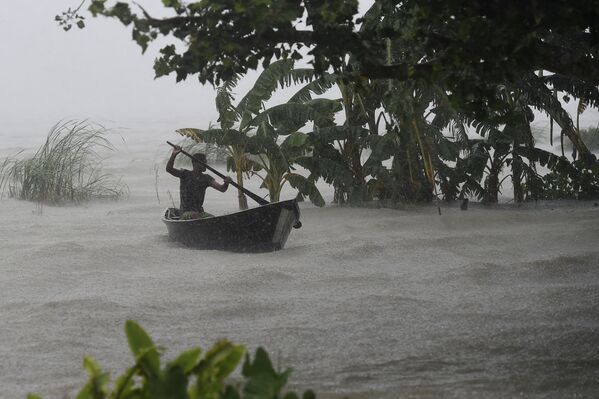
268, 81
298, 76
295, 140
305, 186
318, 86
382, 148
291, 117
333, 168
333, 133
226, 110
544, 158
538, 95
574, 87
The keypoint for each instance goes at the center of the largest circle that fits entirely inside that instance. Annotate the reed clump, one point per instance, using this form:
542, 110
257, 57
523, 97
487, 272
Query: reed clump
66, 168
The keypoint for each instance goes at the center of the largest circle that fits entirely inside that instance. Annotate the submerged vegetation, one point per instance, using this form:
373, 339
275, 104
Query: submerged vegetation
191, 375
425, 149
66, 168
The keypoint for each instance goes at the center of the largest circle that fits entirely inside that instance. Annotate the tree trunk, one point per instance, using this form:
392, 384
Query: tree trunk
491, 190
243, 202
517, 179
578, 145
491, 193
358, 194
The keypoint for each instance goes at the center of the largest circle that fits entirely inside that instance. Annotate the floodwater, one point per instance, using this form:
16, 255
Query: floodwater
492, 302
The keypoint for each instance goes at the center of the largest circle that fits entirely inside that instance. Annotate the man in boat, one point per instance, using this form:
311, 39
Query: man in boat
193, 185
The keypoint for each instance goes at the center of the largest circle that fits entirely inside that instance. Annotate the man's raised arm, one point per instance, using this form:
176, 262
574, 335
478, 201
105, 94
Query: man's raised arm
171, 162
221, 187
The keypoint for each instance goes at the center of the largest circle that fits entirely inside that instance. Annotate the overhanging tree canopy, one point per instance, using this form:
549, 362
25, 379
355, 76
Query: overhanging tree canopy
466, 47
464, 42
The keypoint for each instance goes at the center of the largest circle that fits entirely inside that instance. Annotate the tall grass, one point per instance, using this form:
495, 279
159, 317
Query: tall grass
66, 168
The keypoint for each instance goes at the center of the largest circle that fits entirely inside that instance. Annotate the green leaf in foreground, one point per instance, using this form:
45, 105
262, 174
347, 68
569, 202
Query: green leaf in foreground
218, 363
263, 380
188, 376
143, 348
97, 386
187, 360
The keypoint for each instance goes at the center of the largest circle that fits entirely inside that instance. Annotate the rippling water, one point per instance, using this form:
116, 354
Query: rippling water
486, 303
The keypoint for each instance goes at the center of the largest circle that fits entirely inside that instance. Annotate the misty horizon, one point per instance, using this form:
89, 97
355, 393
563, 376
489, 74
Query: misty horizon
98, 73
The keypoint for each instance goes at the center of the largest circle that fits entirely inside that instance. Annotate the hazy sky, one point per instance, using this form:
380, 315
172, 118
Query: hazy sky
47, 74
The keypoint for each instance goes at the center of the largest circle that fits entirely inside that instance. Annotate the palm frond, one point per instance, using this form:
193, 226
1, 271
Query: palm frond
227, 113
291, 117
333, 133
298, 76
265, 85
316, 87
574, 87
305, 186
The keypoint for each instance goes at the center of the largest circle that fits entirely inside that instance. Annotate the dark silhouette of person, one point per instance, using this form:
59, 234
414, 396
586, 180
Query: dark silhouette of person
193, 185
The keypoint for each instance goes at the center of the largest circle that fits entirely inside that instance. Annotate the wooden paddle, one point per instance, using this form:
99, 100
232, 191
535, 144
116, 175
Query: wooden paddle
247, 192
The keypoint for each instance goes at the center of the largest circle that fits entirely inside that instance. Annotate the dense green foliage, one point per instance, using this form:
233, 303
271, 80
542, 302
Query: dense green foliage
66, 168
569, 181
191, 375
416, 80
252, 132
468, 46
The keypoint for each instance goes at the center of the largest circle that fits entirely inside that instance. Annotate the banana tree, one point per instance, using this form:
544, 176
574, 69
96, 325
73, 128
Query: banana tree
234, 139
235, 128
278, 144
273, 164
249, 126
416, 145
235, 142
340, 152
540, 96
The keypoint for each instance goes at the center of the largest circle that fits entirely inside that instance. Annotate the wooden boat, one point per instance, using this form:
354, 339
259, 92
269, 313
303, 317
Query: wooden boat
261, 229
